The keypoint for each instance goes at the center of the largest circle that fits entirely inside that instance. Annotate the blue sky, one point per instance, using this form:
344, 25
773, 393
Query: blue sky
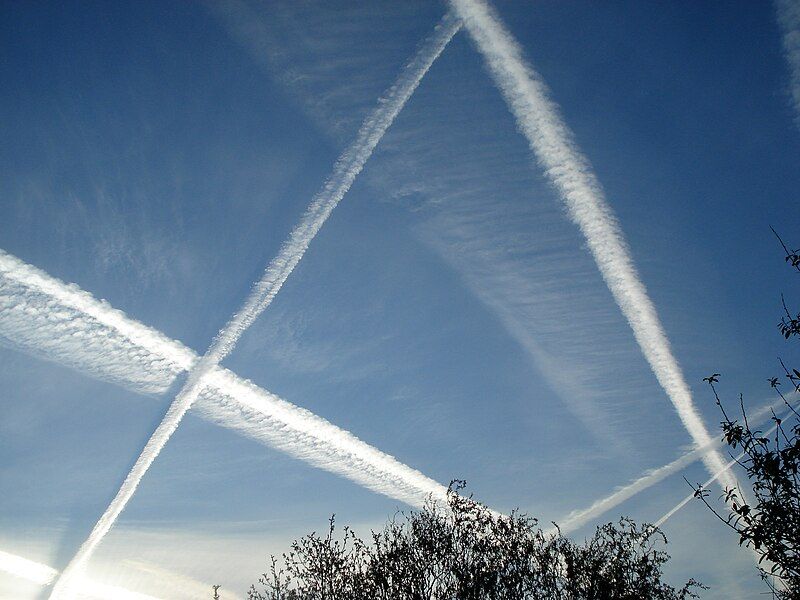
449, 313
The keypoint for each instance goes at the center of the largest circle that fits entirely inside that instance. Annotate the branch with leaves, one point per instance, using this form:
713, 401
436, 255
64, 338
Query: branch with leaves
770, 525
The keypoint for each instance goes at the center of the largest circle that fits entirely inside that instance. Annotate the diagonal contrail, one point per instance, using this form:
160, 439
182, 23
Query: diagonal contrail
578, 518
48, 318
571, 174
689, 498
347, 167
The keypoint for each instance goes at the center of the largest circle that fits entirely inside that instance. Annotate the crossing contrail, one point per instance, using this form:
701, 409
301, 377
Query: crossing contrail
571, 174
717, 475
347, 167
789, 20
578, 518
45, 317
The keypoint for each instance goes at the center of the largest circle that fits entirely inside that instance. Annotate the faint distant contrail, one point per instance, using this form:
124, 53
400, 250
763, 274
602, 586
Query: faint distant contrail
688, 498
347, 167
48, 318
571, 174
578, 518
789, 20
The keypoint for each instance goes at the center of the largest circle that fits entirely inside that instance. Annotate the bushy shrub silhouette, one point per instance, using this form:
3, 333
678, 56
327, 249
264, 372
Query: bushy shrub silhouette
464, 551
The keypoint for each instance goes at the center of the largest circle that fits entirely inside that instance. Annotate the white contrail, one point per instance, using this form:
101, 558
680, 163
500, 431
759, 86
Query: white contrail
578, 518
570, 173
347, 167
46, 317
83, 329
41, 574
789, 20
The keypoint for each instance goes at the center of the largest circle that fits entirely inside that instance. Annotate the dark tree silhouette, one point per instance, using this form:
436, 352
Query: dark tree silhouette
770, 522
464, 551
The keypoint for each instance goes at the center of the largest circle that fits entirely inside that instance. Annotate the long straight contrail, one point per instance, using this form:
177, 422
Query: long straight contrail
347, 167
46, 317
571, 174
789, 20
578, 518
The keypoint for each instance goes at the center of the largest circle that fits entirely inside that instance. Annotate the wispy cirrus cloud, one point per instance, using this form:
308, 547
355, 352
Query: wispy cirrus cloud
548, 310
571, 174
470, 194
789, 20
316, 50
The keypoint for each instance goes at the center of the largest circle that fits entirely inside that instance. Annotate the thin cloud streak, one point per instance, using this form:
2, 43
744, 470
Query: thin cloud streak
571, 174
346, 169
526, 297
789, 20
48, 318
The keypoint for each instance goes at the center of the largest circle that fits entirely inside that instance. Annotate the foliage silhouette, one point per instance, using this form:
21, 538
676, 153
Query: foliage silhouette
770, 522
464, 551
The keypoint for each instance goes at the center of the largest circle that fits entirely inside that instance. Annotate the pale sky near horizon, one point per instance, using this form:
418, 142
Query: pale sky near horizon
156, 154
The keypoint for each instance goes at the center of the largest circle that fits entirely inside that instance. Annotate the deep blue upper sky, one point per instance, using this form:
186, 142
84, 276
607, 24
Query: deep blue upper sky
157, 153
